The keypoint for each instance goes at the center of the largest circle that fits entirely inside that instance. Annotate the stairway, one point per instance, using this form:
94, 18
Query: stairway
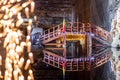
51, 34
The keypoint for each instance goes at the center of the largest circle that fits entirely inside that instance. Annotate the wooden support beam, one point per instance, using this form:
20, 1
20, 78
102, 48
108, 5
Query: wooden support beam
54, 48
49, 44
89, 45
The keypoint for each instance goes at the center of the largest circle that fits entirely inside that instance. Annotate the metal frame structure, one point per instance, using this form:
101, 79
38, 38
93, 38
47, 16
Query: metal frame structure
77, 31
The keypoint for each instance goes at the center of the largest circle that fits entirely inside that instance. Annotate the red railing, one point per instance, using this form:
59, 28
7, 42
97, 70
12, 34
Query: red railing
77, 64
102, 58
76, 28
52, 32
52, 59
100, 32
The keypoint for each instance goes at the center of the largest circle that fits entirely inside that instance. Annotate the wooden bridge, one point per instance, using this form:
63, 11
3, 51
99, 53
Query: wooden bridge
85, 35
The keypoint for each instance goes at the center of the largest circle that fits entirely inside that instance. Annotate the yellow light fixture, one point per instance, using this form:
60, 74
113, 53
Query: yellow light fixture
73, 37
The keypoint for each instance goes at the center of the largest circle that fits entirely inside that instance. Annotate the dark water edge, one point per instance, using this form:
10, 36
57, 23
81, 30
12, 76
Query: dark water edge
103, 73
46, 72
83, 75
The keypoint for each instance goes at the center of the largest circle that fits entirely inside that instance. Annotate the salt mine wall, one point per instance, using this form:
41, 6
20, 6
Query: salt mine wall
99, 12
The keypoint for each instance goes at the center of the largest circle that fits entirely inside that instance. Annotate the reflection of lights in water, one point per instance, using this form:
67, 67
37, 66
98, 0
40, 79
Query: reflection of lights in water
115, 62
10, 21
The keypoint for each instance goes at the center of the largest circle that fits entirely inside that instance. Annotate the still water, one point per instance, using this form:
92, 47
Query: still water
107, 71
110, 70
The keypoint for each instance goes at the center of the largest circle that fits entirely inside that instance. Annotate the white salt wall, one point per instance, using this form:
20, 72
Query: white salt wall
116, 62
116, 41
115, 30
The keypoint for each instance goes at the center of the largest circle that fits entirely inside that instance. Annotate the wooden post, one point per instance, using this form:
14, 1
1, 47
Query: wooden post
53, 31
89, 45
58, 26
64, 45
71, 27
72, 17
48, 33
77, 23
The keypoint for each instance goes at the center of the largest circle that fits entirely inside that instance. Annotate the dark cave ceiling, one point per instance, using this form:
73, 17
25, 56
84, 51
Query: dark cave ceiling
51, 11
99, 12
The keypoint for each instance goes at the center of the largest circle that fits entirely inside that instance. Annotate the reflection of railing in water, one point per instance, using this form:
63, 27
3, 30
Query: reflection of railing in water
53, 59
102, 57
77, 64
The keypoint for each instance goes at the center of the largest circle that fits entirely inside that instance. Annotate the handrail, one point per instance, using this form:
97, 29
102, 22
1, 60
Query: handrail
51, 53
53, 33
80, 28
55, 26
101, 32
96, 60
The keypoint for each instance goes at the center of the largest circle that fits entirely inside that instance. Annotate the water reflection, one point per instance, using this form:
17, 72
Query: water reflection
115, 62
104, 71
102, 67
74, 49
96, 67
109, 70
